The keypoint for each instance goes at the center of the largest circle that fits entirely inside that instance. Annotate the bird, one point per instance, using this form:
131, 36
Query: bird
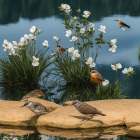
60, 49
96, 77
35, 107
86, 109
122, 24
35, 93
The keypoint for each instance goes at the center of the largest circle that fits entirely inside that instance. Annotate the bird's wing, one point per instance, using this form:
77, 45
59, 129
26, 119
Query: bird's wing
39, 106
99, 76
87, 109
125, 24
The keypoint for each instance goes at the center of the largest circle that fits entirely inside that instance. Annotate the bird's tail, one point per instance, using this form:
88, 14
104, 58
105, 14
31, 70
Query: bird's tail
102, 114
127, 26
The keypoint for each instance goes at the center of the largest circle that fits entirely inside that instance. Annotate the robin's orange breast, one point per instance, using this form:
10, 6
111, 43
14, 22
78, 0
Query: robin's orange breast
94, 78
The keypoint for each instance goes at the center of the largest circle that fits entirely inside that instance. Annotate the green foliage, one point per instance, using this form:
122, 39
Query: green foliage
74, 72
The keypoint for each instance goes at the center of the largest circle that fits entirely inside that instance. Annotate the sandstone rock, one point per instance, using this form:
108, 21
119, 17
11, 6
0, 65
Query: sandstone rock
118, 112
12, 114
134, 131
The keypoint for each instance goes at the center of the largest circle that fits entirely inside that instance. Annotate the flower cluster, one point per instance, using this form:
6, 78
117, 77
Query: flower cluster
68, 33
66, 8
56, 39
127, 71
102, 28
35, 61
86, 14
90, 63
74, 38
74, 53
116, 66
113, 48
9, 46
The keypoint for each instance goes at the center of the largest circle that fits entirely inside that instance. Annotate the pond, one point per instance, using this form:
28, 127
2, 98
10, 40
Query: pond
17, 17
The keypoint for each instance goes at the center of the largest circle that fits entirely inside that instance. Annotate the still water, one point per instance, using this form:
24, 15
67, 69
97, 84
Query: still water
16, 18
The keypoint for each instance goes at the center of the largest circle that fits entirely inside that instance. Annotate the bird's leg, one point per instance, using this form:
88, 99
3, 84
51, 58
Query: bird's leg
91, 117
120, 26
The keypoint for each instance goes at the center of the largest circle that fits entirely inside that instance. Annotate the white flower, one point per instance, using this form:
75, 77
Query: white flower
45, 43
52, 53
31, 36
68, 33
118, 66
56, 38
5, 42
113, 41
102, 28
67, 11
78, 10
75, 18
91, 25
86, 14
106, 82
35, 61
82, 30
70, 50
26, 36
74, 38
125, 71
32, 29
89, 60
90, 63
12, 52
15, 43
92, 29
113, 48
23, 41
65, 6
130, 69
52, 58
75, 54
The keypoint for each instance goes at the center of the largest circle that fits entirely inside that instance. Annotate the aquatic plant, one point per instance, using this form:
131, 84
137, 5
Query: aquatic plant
24, 63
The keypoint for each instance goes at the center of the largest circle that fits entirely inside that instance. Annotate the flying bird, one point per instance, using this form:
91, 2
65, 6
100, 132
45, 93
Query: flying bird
86, 109
96, 77
122, 24
35, 93
60, 49
35, 107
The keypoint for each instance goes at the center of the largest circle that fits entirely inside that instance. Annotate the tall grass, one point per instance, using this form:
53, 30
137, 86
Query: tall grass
74, 72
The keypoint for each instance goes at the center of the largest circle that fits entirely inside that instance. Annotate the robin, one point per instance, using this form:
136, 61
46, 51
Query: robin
96, 77
60, 49
122, 24
35, 93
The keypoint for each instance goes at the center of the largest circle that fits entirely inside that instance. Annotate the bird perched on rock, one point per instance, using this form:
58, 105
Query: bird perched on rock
60, 49
122, 24
96, 76
86, 109
35, 93
35, 107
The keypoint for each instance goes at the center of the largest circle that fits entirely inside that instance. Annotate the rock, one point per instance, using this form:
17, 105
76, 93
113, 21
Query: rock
82, 133
12, 114
118, 112
67, 103
134, 131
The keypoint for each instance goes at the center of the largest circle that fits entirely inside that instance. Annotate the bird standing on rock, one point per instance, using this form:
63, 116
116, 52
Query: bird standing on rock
35, 93
35, 107
60, 49
122, 24
96, 77
86, 109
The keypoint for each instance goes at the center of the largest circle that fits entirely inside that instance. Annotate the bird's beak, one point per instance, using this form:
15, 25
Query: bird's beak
22, 106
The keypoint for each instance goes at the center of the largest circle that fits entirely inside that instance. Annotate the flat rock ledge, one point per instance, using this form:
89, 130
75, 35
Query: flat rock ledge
118, 112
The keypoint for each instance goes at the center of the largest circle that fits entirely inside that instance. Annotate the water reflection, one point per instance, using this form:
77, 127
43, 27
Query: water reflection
11, 11
48, 133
